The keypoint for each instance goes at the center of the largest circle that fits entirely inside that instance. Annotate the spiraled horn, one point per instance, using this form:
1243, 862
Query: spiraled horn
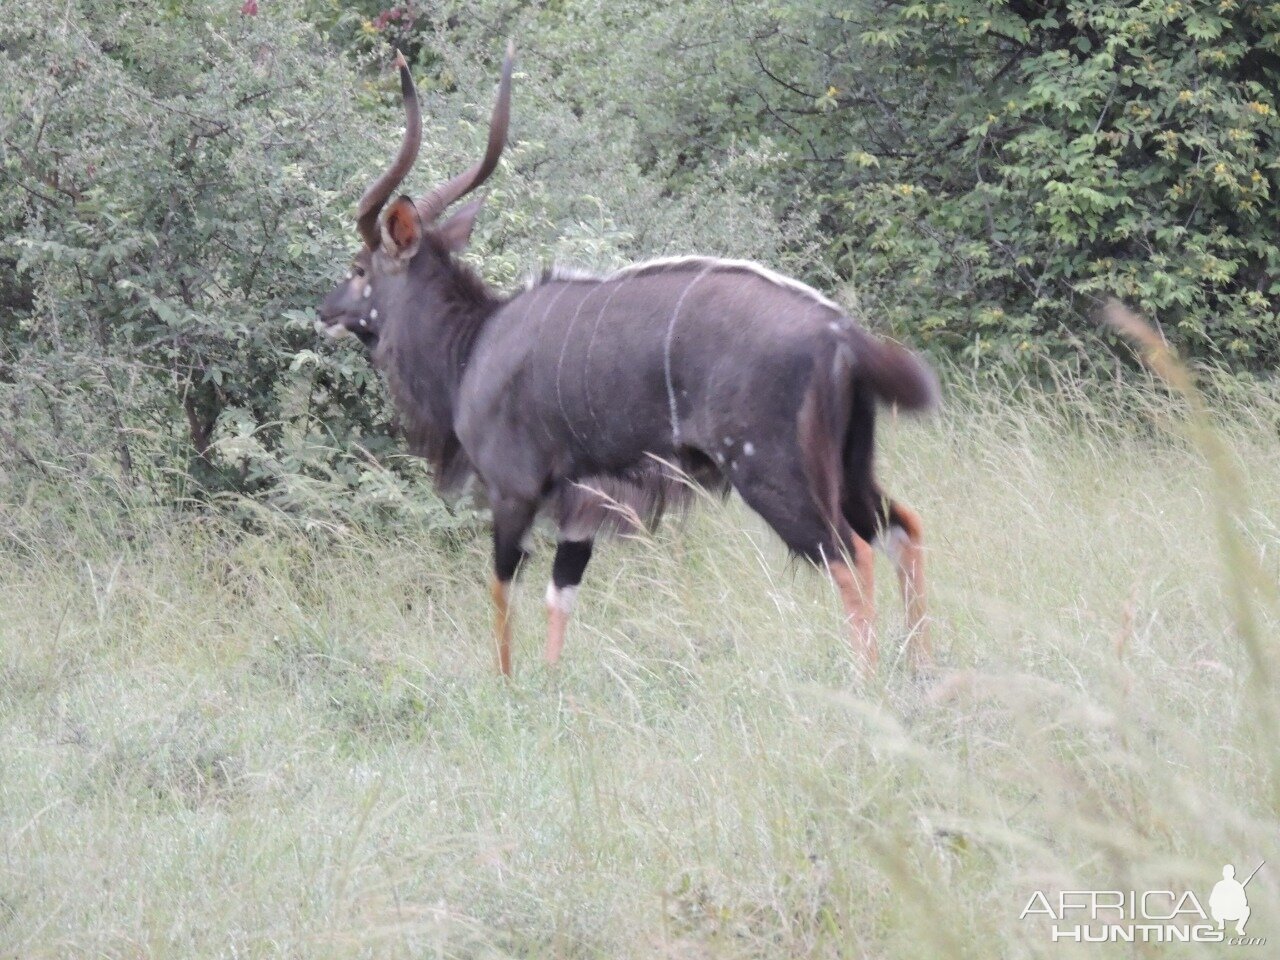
439, 199
377, 193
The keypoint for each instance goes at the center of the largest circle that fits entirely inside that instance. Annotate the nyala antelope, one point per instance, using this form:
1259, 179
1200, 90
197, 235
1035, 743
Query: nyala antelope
583, 396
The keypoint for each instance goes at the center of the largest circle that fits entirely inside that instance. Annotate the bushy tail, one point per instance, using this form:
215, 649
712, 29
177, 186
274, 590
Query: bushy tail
895, 374
837, 419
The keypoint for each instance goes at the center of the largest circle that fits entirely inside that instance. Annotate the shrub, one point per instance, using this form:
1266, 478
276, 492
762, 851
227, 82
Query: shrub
182, 174
178, 187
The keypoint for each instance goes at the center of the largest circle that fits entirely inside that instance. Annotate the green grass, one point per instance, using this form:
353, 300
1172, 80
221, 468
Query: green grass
220, 744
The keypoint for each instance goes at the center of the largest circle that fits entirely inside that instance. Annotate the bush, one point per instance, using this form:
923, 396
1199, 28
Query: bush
1087, 149
179, 184
181, 177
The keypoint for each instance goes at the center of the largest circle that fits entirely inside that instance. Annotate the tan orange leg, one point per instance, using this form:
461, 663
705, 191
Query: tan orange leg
572, 557
502, 624
857, 594
904, 543
559, 607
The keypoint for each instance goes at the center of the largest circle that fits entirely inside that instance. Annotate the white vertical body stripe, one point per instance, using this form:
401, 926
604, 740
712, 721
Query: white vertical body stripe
567, 275
667, 346
564, 349
586, 363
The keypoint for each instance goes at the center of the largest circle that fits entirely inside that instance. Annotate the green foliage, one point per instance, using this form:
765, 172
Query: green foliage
177, 196
1098, 149
177, 180
986, 172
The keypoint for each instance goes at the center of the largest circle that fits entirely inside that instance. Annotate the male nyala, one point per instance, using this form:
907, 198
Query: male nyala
581, 396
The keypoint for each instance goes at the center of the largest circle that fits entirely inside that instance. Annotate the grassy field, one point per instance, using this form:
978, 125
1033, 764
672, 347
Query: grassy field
220, 744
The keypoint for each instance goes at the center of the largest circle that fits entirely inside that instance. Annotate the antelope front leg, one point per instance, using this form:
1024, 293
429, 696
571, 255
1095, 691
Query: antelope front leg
500, 590
857, 594
511, 521
566, 574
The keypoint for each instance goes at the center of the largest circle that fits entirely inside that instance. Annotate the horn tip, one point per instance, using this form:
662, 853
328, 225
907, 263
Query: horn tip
400, 61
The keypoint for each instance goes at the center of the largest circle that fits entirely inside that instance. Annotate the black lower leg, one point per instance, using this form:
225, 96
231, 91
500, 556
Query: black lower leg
511, 520
507, 557
570, 562
510, 525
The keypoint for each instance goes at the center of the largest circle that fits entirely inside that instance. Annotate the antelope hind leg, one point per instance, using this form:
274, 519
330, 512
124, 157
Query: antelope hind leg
857, 595
903, 542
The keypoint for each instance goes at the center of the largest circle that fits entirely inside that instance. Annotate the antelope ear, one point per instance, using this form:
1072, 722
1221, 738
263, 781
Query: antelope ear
401, 229
455, 233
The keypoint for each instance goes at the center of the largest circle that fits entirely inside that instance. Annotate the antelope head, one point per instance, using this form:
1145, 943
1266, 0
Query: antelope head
405, 248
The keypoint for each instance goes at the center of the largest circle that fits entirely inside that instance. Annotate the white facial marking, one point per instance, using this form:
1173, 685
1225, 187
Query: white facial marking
834, 326
373, 314
351, 274
364, 321
561, 598
368, 291
335, 331
728, 441
749, 449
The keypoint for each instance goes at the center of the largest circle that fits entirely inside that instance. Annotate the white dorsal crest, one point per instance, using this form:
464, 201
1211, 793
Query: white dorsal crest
559, 273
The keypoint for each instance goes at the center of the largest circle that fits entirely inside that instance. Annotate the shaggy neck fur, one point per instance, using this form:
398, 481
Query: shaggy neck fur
424, 349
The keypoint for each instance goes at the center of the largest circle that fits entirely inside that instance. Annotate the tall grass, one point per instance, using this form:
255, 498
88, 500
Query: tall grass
225, 744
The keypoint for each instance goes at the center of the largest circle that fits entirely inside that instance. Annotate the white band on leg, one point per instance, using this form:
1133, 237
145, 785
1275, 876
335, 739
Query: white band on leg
893, 544
561, 598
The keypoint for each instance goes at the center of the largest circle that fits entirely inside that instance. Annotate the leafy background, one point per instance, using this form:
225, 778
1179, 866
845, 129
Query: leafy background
177, 182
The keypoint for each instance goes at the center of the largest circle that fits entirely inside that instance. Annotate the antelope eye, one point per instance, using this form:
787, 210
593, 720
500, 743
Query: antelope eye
359, 270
